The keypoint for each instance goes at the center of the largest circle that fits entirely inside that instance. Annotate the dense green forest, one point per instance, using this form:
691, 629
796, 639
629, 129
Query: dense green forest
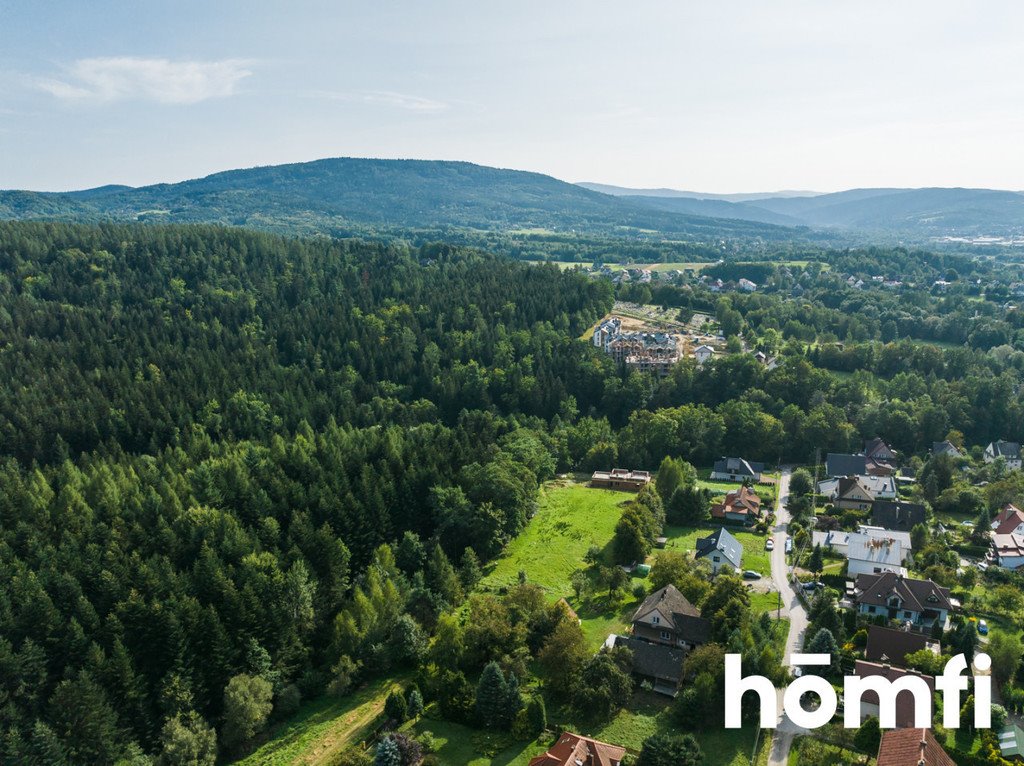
237, 470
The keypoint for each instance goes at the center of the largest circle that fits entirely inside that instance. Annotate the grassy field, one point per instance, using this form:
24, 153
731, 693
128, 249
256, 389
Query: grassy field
754, 555
569, 520
322, 729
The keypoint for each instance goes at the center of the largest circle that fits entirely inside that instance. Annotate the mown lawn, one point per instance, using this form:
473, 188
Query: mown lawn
457, 745
754, 555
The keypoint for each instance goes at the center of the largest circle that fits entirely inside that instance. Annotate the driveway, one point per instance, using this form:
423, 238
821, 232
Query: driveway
791, 608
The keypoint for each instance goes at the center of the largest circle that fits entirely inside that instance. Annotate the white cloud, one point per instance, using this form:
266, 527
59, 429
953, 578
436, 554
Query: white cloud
152, 79
384, 98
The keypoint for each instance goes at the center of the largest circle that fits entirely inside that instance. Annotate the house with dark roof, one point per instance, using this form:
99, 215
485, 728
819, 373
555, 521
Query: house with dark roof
879, 487
889, 646
1008, 451
737, 469
658, 664
837, 464
852, 495
720, 549
667, 617
905, 708
946, 448
897, 515
577, 750
921, 603
877, 449
741, 505
911, 747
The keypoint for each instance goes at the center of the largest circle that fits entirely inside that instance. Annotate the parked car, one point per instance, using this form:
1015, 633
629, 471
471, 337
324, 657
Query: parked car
813, 585
750, 574
982, 628
789, 545
769, 544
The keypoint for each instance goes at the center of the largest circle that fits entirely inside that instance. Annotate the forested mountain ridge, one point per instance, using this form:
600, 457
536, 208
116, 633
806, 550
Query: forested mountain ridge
922, 213
349, 195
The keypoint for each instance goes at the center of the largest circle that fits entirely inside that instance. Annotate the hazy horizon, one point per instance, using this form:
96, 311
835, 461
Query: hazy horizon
737, 98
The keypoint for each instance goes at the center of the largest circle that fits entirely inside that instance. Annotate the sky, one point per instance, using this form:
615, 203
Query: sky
716, 96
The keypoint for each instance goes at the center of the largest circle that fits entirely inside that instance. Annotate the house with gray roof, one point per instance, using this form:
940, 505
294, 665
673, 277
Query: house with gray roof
720, 549
1008, 451
837, 464
737, 469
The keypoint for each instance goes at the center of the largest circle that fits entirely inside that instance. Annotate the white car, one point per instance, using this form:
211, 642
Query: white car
769, 544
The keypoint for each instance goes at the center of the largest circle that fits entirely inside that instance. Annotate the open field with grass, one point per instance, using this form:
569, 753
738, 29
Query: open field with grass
569, 519
322, 729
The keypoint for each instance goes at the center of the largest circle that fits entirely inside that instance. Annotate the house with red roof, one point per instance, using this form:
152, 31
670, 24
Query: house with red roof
577, 750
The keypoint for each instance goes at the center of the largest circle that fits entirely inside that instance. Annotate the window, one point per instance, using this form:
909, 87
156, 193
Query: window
716, 559
908, 615
871, 610
655, 620
666, 636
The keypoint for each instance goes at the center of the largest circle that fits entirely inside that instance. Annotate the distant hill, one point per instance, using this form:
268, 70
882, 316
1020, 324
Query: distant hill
625, 191
348, 195
911, 213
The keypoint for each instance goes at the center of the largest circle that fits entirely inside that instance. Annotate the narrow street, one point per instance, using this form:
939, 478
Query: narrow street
786, 731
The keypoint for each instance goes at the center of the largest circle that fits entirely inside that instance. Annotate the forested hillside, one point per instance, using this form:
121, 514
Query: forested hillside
351, 195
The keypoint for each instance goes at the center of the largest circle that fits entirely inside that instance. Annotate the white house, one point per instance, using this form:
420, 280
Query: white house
1009, 451
721, 550
746, 285
1009, 550
870, 555
703, 353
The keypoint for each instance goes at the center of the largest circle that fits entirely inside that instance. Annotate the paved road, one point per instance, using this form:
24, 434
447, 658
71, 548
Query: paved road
791, 608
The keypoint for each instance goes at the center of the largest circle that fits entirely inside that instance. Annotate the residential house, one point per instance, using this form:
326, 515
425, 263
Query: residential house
1009, 521
889, 646
1008, 537
746, 285
740, 505
1008, 550
911, 747
873, 555
905, 708
721, 550
896, 515
620, 478
737, 469
851, 495
946, 448
838, 540
877, 449
880, 487
921, 603
667, 617
658, 664
837, 464
703, 353
1009, 451
577, 750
